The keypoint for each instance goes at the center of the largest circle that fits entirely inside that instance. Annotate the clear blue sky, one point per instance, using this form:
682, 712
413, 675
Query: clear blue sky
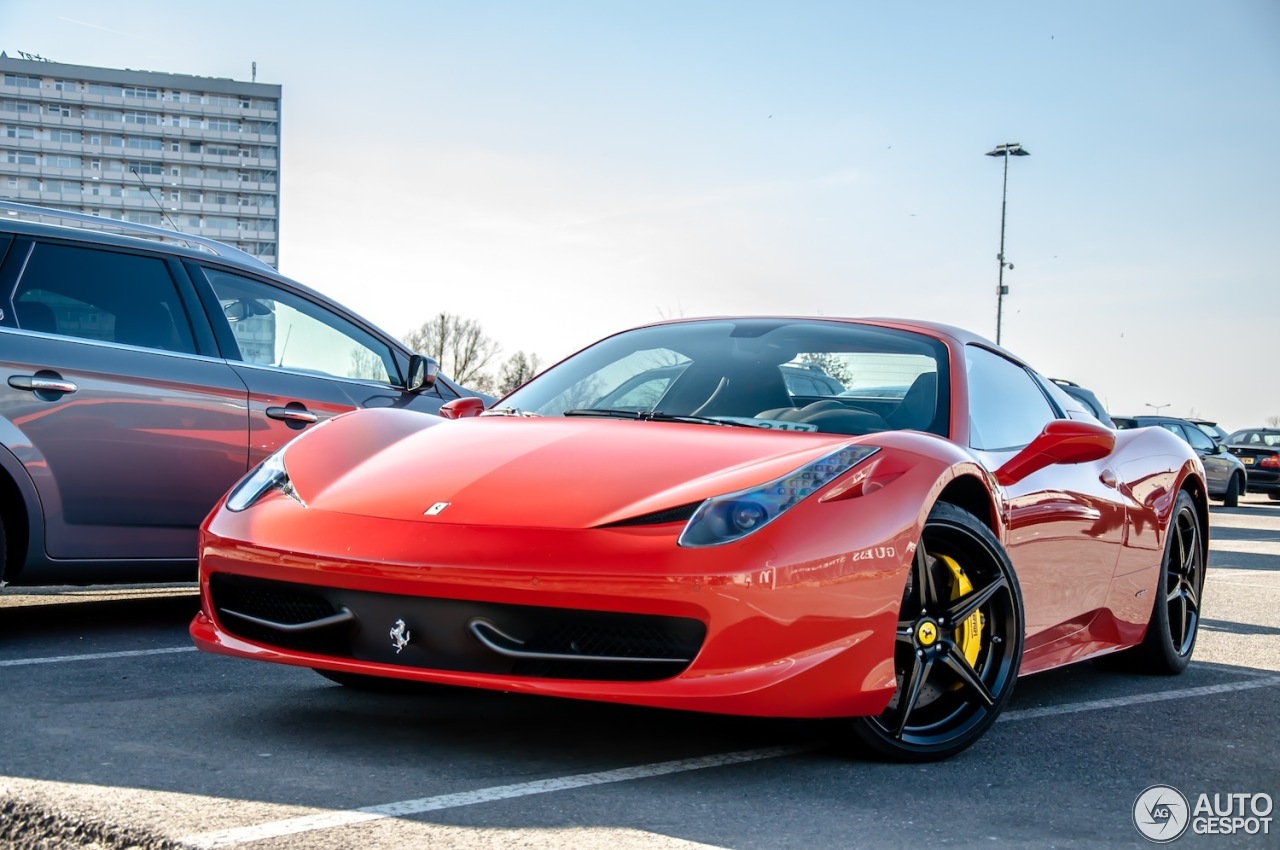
562, 170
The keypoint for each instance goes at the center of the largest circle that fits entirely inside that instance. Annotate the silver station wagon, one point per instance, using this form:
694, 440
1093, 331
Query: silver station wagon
142, 374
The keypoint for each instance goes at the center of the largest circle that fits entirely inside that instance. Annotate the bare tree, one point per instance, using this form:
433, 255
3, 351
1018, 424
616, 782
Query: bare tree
518, 369
459, 345
367, 365
829, 363
1273, 421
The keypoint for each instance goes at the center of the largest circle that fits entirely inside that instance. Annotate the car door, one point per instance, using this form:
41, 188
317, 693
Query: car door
302, 359
128, 430
1064, 522
1218, 467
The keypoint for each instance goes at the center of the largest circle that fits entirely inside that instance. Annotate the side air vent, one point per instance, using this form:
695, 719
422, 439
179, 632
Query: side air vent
678, 514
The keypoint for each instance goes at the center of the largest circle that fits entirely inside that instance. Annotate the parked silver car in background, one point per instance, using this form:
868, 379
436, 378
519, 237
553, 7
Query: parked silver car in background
141, 377
1225, 475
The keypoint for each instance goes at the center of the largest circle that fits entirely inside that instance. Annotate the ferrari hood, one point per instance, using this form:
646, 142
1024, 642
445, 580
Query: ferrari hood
532, 472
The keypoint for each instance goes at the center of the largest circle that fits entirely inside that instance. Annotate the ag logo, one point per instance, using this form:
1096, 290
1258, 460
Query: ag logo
1161, 813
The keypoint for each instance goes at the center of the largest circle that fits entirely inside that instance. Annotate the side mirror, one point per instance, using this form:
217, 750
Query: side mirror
1061, 441
422, 373
462, 408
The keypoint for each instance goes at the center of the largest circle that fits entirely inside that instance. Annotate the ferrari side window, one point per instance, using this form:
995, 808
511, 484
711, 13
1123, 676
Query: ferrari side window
1006, 407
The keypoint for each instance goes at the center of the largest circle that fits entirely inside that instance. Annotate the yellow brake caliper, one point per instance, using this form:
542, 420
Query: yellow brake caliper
969, 634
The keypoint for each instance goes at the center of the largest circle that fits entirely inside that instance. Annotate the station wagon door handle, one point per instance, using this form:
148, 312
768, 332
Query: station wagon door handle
292, 414
36, 384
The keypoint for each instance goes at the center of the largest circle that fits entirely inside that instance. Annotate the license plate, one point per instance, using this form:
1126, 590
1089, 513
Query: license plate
1247, 461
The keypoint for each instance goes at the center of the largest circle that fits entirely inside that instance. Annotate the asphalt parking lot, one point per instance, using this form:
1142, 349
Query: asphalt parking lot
114, 726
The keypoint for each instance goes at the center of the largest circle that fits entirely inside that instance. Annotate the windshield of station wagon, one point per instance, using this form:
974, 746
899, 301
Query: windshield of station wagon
779, 374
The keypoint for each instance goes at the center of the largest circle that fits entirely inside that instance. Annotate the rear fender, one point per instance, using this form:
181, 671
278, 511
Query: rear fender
22, 513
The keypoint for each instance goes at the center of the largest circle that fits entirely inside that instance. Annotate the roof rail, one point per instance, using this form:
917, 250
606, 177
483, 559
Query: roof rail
213, 246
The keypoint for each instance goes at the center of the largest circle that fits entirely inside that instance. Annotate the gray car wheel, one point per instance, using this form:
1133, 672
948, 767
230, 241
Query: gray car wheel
1231, 498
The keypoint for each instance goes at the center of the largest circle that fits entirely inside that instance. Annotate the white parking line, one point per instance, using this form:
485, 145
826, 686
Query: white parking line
331, 820
94, 656
1140, 699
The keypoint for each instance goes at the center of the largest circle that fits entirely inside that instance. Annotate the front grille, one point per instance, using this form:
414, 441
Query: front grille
278, 603
457, 635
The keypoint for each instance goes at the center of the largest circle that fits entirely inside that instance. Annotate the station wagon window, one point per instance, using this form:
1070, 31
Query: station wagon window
99, 295
276, 328
1007, 410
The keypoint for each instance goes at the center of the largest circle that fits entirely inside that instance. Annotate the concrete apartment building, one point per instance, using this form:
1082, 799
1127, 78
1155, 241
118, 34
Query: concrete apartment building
197, 154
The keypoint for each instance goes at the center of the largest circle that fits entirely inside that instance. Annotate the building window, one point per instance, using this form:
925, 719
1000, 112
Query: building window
57, 109
60, 161
146, 167
20, 132
20, 157
134, 91
143, 217
102, 115
223, 125
64, 85
63, 136
141, 118
105, 90
22, 81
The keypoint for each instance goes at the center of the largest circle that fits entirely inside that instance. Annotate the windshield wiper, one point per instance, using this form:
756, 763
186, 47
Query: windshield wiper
509, 411
652, 416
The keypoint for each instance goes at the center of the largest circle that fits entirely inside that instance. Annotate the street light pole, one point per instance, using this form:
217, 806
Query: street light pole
1158, 407
1005, 151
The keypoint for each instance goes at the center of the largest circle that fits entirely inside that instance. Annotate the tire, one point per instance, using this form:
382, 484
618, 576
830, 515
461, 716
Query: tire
952, 682
1175, 617
381, 684
1231, 498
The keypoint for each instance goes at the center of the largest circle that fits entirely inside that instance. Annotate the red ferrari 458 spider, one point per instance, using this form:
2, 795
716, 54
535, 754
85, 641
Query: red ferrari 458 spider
694, 515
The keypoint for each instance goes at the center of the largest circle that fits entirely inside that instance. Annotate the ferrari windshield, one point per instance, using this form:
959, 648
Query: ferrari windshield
781, 374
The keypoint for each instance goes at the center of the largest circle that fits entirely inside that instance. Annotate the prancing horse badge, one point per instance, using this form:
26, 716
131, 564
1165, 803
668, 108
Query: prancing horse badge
400, 636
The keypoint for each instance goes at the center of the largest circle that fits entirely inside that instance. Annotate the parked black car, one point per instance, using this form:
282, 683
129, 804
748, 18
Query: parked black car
141, 377
1259, 450
1226, 476
1087, 398
1211, 428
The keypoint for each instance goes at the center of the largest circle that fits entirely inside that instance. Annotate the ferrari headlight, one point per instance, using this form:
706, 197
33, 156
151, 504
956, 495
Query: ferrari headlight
723, 519
270, 475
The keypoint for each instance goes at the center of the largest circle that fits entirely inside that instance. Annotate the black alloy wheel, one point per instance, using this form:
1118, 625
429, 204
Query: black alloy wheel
958, 645
1175, 616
